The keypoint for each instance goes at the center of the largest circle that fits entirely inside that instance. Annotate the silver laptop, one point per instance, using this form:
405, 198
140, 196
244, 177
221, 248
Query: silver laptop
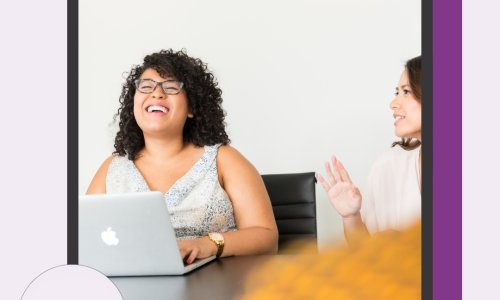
129, 235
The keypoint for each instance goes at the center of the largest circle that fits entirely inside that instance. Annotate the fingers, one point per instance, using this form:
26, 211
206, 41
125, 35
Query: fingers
323, 183
193, 254
355, 192
331, 178
343, 172
336, 170
184, 253
354, 189
183, 249
190, 253
339, 174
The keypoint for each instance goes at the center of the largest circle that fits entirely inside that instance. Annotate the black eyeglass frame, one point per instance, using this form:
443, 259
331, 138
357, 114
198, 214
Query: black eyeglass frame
137, 81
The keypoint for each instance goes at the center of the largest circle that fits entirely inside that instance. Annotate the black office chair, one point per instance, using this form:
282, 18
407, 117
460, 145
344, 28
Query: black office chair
293, 197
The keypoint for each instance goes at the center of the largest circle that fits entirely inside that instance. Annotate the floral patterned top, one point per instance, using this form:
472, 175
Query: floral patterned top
196, 202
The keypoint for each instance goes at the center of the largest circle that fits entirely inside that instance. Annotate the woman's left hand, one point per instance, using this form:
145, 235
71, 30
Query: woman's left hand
197, 248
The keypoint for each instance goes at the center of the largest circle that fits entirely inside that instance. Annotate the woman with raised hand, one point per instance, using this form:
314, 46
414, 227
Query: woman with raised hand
172, 139
392, 198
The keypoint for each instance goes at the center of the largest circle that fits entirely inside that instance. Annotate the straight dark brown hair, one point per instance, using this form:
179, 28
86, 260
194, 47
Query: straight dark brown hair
413, 68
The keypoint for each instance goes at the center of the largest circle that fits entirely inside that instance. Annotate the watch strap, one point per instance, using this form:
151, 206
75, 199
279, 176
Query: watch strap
220, 245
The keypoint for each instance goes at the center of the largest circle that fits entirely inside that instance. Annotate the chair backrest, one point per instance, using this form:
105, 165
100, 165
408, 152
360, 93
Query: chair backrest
293, 197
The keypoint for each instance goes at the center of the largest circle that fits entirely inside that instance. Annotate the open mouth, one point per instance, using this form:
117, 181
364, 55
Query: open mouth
399, 118
157, 109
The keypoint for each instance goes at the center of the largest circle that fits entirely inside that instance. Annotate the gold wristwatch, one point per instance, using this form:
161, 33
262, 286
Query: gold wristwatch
218, 239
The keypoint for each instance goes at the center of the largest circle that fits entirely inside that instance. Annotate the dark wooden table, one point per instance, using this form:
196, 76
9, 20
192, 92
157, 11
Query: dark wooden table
220, 279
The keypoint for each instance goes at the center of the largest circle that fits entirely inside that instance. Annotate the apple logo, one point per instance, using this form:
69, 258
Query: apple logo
109, 237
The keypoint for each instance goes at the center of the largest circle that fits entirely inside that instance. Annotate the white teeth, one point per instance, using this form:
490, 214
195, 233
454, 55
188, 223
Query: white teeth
161, 108
399, 117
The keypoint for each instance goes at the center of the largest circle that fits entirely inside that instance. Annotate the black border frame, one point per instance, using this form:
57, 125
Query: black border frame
427, 131
427, 163
72, 119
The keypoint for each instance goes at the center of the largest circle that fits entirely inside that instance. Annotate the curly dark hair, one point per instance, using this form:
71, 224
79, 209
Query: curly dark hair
413, 67
206, 128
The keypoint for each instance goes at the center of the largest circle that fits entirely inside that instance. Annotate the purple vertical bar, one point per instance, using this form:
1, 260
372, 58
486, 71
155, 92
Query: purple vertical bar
447, 152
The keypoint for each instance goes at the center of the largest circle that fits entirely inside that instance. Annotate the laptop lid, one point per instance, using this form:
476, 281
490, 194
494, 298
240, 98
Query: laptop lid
127, 235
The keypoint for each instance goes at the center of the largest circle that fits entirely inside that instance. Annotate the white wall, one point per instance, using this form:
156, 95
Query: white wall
348, 54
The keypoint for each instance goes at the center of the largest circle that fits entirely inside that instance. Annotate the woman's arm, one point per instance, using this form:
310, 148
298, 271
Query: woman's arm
346, 199
257, 232
354, 230
98, 184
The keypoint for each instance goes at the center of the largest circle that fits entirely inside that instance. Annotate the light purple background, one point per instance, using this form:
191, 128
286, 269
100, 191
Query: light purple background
481, 146
72, 282
33, 130
33, 141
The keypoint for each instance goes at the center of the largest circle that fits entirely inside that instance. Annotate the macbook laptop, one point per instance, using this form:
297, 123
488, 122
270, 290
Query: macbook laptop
129, 235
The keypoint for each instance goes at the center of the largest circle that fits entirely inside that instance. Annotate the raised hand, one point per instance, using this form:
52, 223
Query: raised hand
344, 196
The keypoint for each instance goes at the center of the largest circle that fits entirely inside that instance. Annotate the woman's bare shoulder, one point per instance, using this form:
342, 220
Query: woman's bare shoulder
231, 163
228, 155
98, 184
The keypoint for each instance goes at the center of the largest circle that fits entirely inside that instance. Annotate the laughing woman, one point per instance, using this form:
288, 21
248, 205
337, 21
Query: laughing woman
172, 139
392, 199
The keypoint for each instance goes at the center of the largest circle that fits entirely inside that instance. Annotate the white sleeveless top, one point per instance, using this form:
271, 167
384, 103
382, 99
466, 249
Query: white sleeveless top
392, 198
196, 202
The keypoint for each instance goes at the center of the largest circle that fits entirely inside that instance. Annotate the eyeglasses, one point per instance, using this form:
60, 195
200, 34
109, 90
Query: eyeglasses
169, 87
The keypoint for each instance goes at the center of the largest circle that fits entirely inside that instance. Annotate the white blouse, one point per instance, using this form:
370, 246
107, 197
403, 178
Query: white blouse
392, 198
196, 202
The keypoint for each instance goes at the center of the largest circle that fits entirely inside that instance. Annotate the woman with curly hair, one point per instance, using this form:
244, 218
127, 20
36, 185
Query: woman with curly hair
392, 199
172, 139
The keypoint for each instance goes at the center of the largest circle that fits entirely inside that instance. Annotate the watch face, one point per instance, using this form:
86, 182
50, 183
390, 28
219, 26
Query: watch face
218, 237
